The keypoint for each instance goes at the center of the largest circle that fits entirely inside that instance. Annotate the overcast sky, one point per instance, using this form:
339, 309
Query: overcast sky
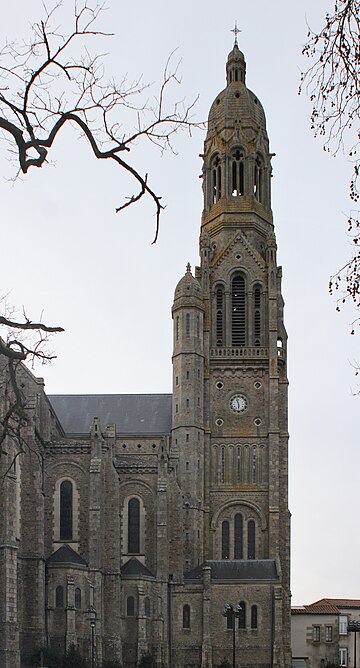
68, 258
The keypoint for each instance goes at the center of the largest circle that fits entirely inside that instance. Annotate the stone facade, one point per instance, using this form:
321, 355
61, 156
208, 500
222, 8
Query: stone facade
321, 635
149, 513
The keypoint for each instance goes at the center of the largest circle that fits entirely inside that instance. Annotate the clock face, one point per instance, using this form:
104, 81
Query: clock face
238, 403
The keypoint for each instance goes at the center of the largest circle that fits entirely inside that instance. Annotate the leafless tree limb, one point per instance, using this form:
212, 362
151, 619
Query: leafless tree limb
333, 86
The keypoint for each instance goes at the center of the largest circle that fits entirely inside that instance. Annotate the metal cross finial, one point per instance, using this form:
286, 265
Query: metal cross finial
236, 31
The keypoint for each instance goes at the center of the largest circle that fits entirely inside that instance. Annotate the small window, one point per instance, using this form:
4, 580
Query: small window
187, 325
177, 327
343, 659
130, 606
78, 598
316, 633
186, 617
59, 597
187, 438
176, 408
254, 617
242, 615
187, 375
176, 380
328, 633
187, 466
147, 607
187, 403
343, 624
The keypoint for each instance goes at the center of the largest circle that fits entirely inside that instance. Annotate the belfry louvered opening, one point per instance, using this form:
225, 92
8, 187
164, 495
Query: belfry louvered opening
238, 305
219, 316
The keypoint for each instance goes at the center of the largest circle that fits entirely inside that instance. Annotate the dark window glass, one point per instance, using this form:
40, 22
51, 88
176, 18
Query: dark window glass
130, 606
66, 510
187, 325
242, 615
225, 540
186, 617
59, 597
134, 526
238, 536
251, 539
219, 317
254, 617
238, 311
147, 607
78, 598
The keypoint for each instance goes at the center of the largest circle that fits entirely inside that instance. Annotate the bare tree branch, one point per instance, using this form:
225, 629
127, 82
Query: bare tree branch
333, 86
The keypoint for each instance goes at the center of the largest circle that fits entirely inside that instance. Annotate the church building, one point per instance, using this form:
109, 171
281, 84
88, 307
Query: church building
158, 524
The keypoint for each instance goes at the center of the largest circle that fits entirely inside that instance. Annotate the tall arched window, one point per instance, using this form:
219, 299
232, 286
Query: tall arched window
242, 615
66, 510
223, 465
238, 305
254, 617
177, 328
257, 315
187, 325
215, 179
186, 617
251, 539
147, 607
78, 598
238, 536
219, 316
134, 526
238, 464
130, 606
59, 597
225, 540
258, 178
237, 173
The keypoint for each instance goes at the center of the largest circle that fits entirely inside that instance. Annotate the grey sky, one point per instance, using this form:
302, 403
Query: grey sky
71, 258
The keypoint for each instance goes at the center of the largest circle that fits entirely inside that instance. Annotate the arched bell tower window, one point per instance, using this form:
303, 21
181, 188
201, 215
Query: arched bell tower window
238, 305
186, 617
225, 540
219, 316
66, 510
257, 315
215, 179
134, 526
237, 173
258, 179
251, 539
238, 536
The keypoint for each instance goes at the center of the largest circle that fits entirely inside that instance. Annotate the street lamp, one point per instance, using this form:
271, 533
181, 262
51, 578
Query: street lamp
232, 612
354, 627
92, 626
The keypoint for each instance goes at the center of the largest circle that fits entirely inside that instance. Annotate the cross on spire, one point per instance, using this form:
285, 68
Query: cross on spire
236, 31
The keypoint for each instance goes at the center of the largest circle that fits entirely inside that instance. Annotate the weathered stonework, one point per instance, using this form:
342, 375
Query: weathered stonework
149, 513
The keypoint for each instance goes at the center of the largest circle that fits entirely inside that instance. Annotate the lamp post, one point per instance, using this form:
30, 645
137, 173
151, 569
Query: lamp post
354, 627
232, 612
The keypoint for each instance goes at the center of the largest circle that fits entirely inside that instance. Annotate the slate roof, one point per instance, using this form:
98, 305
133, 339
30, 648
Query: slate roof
132, 413
66, 555
237, 570
134, 568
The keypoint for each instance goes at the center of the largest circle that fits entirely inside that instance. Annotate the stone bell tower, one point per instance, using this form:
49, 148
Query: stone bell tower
240, 350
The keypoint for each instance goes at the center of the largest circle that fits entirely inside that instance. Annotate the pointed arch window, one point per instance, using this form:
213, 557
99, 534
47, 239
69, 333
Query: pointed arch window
242, 615
254, 617
186, 617
130, 606
187, 325
237, 173
258, 179
251, 539
257, 315
59, 597
134, 526
225, 540
215, 179
238, 536
147, 607
238, 304
220, 316
66, 510
77, 598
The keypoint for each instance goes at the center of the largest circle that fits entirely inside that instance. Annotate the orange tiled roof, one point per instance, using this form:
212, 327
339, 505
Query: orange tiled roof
326, 606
